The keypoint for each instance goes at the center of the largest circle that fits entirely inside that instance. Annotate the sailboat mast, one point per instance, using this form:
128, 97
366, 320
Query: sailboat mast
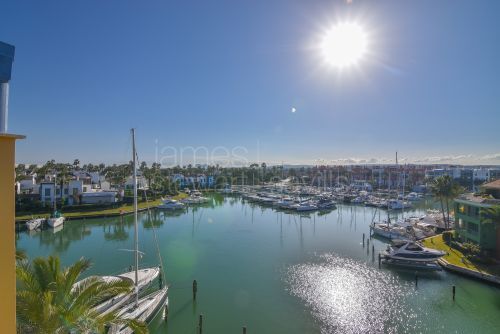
136, 234
55, 194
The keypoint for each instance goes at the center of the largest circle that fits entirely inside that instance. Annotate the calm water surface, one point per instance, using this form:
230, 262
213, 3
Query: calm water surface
276, 272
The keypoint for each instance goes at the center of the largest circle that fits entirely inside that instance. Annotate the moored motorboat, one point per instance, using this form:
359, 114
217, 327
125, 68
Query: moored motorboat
325, 203
33, 224
386, 230
306, 206
411, 251
171, 204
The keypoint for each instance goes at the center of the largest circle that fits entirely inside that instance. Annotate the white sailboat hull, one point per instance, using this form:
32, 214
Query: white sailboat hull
55, 222
146, 309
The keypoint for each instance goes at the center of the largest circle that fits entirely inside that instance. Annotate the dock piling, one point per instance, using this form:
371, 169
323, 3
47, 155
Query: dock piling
363, 240
453, 292
200, 324
244, 329
195, 289
379, 259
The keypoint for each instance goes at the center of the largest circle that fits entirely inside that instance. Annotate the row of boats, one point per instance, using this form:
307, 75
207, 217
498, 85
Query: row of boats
195, 197
37, 223
322, 202
390, 200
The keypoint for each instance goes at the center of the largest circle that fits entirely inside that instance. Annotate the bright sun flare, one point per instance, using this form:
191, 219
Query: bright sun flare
344, 44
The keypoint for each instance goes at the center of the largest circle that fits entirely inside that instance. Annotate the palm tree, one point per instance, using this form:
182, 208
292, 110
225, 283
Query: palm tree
491, 215
76, 164
445, 189
48, 301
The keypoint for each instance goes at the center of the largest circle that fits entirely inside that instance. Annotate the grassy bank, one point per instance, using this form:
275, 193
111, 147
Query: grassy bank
124, 209
457, 258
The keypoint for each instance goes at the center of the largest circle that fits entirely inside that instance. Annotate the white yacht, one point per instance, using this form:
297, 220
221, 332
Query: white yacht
196, 198
396, 204
411, 251
386, 230
171, 204
33, 224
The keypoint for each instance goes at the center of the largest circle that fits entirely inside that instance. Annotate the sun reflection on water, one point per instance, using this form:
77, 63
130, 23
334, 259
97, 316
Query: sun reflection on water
347, 296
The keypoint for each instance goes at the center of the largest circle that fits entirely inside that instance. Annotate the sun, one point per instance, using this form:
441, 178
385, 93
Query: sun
344, 45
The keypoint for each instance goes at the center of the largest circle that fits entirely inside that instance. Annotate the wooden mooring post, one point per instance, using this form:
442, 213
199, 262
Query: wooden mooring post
200, 324
244, 329
195, 289
453, 292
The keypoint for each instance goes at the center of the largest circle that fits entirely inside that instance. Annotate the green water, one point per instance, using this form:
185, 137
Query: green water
276, 272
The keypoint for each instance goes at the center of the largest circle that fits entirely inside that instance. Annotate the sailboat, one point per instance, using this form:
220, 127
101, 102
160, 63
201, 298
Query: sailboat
56, 219
145, 308
385, 229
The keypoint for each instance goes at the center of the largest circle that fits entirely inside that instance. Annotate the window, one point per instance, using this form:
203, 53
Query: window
47, 192
472, 228
66, 191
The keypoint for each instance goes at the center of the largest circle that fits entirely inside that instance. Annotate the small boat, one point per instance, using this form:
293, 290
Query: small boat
386, 230
196, 198
171, 204
358, 200
55, 221
411, 251
325, 203
306, 206
413, 196
145, 309
286, 203
33, 224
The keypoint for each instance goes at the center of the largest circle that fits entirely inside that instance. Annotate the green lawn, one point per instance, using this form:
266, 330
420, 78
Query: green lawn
125, 208
455, 257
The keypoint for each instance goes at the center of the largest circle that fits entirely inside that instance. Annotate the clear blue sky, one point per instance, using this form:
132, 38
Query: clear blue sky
227, 73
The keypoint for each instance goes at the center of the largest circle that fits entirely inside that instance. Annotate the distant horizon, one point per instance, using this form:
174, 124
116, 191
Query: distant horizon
287, 165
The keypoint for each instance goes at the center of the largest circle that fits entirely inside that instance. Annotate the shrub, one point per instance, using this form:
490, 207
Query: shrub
471, 249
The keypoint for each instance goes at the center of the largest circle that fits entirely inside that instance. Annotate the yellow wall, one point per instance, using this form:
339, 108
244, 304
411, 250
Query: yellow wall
7, 234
